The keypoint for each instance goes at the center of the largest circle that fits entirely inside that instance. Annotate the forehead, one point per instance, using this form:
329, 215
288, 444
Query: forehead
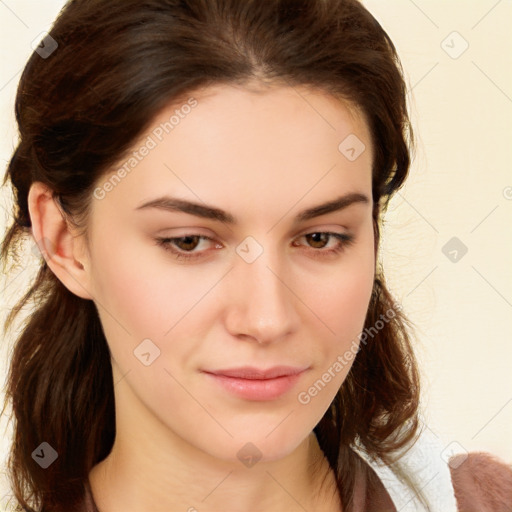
273, 114
228, 142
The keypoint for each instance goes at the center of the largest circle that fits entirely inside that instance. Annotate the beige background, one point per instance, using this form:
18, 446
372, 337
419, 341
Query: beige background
460, 186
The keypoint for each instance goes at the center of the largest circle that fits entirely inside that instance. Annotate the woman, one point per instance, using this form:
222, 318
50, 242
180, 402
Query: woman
205, 180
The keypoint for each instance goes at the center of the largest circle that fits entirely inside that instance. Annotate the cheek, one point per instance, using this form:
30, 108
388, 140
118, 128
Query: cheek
342, 308
141, 294
138, 286
342, 313
341, 302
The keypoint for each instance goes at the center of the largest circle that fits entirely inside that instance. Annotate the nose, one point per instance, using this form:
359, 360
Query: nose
261, 301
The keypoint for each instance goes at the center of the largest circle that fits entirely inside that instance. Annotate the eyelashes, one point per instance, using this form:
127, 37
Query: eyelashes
171, 245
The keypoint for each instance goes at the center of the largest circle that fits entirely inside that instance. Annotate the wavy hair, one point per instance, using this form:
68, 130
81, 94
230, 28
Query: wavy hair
117, 64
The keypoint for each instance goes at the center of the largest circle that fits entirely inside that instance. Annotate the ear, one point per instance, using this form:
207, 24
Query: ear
63, 251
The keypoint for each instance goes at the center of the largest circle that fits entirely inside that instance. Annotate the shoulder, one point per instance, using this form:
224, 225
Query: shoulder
481, 483
469, 482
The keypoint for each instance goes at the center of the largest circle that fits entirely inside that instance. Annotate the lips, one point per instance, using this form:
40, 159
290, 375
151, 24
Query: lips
257, 384
252, 373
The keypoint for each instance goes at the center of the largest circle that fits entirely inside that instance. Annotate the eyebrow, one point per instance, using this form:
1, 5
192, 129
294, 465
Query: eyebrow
210, 212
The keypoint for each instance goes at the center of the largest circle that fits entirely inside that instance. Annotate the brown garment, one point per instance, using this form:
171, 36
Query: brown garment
482, 483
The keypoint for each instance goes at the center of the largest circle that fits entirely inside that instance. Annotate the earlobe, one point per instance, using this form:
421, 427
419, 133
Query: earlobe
52, 234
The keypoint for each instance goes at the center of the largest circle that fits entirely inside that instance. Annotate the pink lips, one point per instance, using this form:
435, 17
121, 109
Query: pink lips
257, 384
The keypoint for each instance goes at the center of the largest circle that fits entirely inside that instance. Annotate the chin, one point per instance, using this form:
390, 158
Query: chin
259, 446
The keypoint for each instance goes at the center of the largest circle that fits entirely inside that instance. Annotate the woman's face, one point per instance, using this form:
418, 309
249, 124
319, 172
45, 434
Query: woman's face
236, 178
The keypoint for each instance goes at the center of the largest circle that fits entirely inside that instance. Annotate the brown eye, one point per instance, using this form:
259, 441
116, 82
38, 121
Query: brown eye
187, 243
183, 247
318, 240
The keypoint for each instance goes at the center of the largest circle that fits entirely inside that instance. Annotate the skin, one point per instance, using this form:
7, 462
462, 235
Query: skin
263, 156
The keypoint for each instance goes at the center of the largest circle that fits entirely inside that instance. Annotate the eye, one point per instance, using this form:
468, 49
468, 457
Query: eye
319, 240
184, 247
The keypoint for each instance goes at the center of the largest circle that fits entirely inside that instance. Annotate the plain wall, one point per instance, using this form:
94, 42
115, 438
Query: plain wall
460, 186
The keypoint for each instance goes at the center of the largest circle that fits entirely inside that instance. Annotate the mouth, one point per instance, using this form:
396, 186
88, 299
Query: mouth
257, 384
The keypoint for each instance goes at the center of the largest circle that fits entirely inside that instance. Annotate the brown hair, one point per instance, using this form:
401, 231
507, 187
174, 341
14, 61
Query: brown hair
118, 63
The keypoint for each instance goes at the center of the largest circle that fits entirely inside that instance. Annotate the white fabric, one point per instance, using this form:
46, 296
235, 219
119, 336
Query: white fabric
427, 462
